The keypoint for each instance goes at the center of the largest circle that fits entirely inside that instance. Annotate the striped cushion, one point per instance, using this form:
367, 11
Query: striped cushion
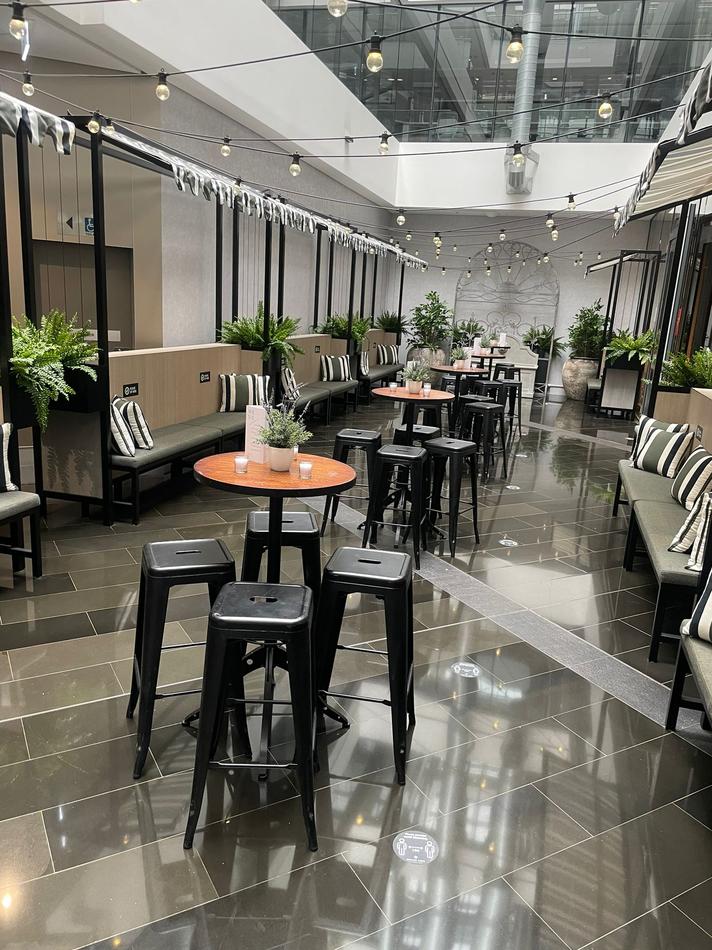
122, 440
238, 391
6, 482
683, 540
363, 363
289, 384
662, 452
387, 354
700, 624
697, 554
335, 369
646, 423
132, 413
693, 478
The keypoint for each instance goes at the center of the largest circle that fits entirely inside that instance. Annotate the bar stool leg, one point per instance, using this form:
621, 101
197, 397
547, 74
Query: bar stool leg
472, 463
416, 510
486, 444
397, 640
375, 511
300, 685
154, 618
251, 560
138, 648
409, 661
454, 504
439, 464
330, 615
311, 567
504, 444
213, 676
341, 454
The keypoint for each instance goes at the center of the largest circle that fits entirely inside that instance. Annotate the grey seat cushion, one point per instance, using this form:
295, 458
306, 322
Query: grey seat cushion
14, 503
313, 393
339, 388
658, 525
229, 423
699, 656
167, 444
383, 371
645, 486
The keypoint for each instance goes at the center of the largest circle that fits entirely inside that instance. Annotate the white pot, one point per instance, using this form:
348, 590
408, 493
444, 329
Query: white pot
414, 385
280, 459
459, 364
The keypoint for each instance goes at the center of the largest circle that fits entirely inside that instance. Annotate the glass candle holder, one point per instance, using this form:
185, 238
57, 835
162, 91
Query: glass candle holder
427, 388
241, 464
393, 385
305, 470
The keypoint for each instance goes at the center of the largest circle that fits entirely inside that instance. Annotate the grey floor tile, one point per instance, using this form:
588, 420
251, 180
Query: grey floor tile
25, 853
56, 605
664, 928
697, 905
662, 670
176, 666
111, 619
112, 541
56, 690
13, 747
596, 609
699, 805
625, 872
489, 832
106, 576
444, 611
31, 632
19, 587
456, 640
5, 668
86, 562
514, 662
611, 725
614, 636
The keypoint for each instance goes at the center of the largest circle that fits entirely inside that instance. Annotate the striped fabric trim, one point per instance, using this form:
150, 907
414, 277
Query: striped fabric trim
646, 423
363, 363
6, 482
335, 369
662, 452
134, 416
289, 383
697, 554
683, 540
239, 391
700, 624
387, 353
38, 122
121, 438
693, 478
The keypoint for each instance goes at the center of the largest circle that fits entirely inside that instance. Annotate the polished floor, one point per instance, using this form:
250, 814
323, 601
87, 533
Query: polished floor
545, 805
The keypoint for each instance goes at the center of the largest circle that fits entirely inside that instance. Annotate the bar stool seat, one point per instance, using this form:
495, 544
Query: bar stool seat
299, 530
508, 371
480, 420
408, 463
455, 453
369, 441
420, 434
256, 613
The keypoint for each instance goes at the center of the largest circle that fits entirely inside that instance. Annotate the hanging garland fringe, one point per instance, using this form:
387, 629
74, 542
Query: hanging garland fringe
39, 124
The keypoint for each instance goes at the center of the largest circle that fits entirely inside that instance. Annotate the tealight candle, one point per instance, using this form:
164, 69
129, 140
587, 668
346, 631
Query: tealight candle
241, 464
427, 388
393, 385
305, 470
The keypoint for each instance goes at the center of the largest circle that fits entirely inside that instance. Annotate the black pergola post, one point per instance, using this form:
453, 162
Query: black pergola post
373, 288
280, 272
641, 295
267, 296
317, 279
352, 289
362, 306
330, 280
400, 301
235, 261
6, 325
218, 269
28, 256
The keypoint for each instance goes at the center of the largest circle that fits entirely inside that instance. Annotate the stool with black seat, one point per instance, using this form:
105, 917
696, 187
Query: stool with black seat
369, 441
455, 452
417, 435
277, 615
388, 576
299, 530
507, 371
166, 564
511, 376
408, 464
479, 421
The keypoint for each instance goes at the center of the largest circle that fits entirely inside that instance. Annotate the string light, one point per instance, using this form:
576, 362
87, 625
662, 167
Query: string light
616, 215
488, 270
554, 234
110, 123
502, 235
572, 203
337, 8
546, 258
400, 220
94, 124
550, 220
27, 87
225, 147
383, 144
598, 256
524, 263
443, 272
162, 89
295, 169
18, 23
605, 108
517, 255
518, 157
489, 248
515, 48
374, 60
437, 240
469, 260
469, 274
408, 236
454, 249
538, 261
417, 253
509, 268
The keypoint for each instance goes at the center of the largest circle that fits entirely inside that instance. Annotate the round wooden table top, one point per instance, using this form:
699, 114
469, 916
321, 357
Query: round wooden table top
401, 394
328, 476
465, 371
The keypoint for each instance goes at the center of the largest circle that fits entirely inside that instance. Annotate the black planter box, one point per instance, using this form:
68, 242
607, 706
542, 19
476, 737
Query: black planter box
622, 362
88, 398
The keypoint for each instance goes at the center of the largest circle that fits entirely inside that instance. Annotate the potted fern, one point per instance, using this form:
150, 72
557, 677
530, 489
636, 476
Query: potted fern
389, 322
337, 326
248, 332
625, 351
283, 432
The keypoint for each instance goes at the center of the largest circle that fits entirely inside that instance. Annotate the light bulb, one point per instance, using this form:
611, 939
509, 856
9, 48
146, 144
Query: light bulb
605, 108
391, 240
162, 90
488, 271
109, 127
518, 157
18, 23
538, 261
423, 267
509, 268
598, 256
502, 236
295, 168
572, 203
417, 253
469, 260
469, 273
546, 258
94, 125
408, 236
383, 144
400, 220
225, 147
517, 255
550, 220
454, 249
616, 214
489, 248
443, 272
524, 263
337, 8
237, 187
436, 239
27, 87
554, 234
374, 60
515, 47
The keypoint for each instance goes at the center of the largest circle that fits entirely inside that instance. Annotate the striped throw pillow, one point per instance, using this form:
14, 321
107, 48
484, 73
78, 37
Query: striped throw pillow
122, 440
335, 369
700, 624
697, 554
363, 363
684, 539
387, 354
289, 384
693, 479
136, 420
6, 482
646, 423
240, 391
663, 452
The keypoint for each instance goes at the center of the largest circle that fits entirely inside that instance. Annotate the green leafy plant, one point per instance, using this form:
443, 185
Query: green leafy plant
338, 326
487, 341
417, 371
390, 322
249, 333
688, 371
586, 333
284, 429
42, 355
623, 343
430, 324
457, 353
539, 340
465, 332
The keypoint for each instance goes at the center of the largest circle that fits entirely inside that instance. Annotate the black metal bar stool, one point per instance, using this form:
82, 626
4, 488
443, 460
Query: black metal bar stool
408, 463
420, 434
456, 452
511, 377
366, 439
388, 576
479, 424
165, 564
299, 530
274, 614
507, 371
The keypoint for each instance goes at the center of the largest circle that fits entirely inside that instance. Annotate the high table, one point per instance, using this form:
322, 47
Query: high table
458, 374
413, 402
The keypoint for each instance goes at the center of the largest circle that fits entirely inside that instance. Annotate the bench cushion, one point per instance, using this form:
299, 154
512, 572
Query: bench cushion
658, 525
313, 393
339, 388
645, 486
168, 443
229, 423
14, 503
699, 656
376, 373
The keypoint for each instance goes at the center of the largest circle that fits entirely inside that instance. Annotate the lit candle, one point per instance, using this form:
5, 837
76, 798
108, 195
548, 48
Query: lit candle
393, 385
427, 387
240, 464
305, 470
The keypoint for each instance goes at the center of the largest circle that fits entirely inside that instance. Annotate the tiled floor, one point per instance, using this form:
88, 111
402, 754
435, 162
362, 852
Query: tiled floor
563, 815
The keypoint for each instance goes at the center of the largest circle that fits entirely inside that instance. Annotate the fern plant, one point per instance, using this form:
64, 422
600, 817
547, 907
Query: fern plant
623, 343
42, 355
539, 340
337, 325
248, 332
689, 371
390, 322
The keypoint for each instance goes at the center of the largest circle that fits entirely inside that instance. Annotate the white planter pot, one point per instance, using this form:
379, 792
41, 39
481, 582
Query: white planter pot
575, 374
414, 385
280, 459
459, 364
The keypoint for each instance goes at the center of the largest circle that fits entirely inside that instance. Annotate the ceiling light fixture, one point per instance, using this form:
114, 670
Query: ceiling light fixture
572, 203
408, 236
554, 234
518, 156
489, 248
502, 235
550, 220
546, 258
18, 23
94, 124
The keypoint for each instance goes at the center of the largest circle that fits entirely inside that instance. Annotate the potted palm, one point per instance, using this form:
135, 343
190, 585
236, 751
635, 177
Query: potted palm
282, 433
541, 340
415, 375
457, 357
429, 327
248, 332
586, 346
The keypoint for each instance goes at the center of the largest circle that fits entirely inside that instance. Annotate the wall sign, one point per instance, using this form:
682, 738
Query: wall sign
130, 389
317, 349
205, 377
255, 419
89, 225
